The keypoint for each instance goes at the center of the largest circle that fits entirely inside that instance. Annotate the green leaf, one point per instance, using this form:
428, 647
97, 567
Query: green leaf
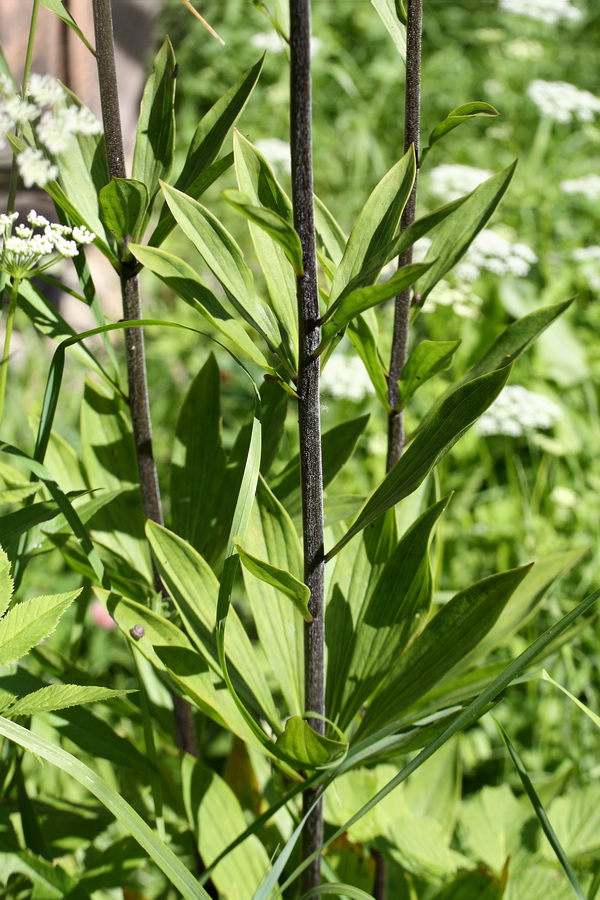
257, 181
123, 204
133, 824
351, 305
194, 589
491, 825
29, 622
58, 7
198, 464
460, 410
475, 108
155, 136
206, 144
340, 890
576, 817
398, 605
362, 338
329, 234
479, 884
302, 743
224, 257
59, 696
284, 581
183, 280
375, 225
591, 715
271, 535
426, 360
272, 224
49, 880
542, 815
15, 524
451, 634
458, 231
394, 23
217, 818
338, 445
6, 582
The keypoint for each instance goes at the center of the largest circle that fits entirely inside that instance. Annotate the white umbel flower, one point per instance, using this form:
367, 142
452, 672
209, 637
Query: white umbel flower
551, 12
588, 265
45, 90
26, 253
461, 299
517, 411
587, 185
20, 111
345, 378
563, 102
34, 168
449, 182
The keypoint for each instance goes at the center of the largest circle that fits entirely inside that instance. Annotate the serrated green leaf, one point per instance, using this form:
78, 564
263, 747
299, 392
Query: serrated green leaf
181, 278
6, 582
426, 360
458, 231
159, 853
123, 204
155, 136
29, 622
460, 410
474, 109
284, 581
300, 742
60, 696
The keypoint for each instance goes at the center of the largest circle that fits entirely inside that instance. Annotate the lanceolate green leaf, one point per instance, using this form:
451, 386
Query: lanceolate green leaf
206, 144
257, 180
284, 581
48, 880
460, 410
133, 824
426, 360
123, 204
302, 743
224, 257
155, 137
397, 608
272, 224
458, 231
6, 582
183, 280
342, 312
459, 115
451, 634
59, 8
388, 11
362, 333
376, 223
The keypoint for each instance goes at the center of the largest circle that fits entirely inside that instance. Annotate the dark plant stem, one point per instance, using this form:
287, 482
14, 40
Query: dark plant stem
135, 354
309, 407
412, 121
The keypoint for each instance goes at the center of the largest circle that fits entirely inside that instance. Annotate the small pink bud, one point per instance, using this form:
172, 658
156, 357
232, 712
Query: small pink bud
101, 616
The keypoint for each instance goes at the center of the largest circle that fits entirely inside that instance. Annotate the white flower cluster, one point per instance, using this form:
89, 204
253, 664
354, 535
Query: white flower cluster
563, 102
54, 122
453, 181
522, 48
345, 378
517, 411
588, 185
23, 249
491, 251
551, 12
460, 298
588, 264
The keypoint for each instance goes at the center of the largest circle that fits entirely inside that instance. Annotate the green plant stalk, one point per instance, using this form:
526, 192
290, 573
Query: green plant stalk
412, 125
309, 405
12, 306
134, 337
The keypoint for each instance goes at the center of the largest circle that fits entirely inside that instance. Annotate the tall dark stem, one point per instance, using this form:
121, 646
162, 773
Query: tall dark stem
309, 409
132, 309
412, 121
